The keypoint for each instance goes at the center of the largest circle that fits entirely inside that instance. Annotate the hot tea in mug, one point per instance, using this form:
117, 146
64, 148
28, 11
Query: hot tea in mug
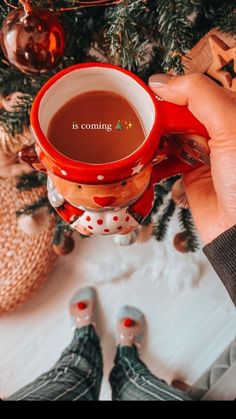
99, 127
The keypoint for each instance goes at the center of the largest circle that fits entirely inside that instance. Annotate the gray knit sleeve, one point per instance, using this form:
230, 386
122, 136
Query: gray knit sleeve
221, 253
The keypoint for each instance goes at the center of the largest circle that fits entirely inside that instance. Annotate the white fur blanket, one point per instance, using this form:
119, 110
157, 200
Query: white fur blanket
106, 261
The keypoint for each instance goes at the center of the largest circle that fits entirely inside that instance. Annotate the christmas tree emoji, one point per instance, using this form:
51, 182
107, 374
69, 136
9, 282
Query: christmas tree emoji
118, 125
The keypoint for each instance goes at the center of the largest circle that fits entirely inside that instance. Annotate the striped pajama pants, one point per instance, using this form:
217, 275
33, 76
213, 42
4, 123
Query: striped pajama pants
78, 375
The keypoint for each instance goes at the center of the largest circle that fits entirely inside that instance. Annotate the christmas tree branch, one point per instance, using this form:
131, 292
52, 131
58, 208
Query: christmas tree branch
161, 190
187, 226
160, 228
31, 180
124, 40
219, 13
175, 31
30, 209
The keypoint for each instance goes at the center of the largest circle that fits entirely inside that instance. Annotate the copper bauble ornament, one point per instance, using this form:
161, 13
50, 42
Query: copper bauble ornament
64, 247
32, 39
181, 242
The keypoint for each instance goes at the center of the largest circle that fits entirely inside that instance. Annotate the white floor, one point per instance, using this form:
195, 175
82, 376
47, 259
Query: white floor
187, 328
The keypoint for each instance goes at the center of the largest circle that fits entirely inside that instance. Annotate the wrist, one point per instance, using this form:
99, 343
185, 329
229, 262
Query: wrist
216, 230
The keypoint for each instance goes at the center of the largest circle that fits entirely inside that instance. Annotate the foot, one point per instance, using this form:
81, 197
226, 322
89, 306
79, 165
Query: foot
82, 307
130, 326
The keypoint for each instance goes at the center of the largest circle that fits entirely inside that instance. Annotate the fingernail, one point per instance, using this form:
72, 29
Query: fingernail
187, 158
204, 158
203, 155
159, 80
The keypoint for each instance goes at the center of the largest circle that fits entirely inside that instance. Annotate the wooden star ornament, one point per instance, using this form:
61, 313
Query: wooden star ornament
221, 56
215, 55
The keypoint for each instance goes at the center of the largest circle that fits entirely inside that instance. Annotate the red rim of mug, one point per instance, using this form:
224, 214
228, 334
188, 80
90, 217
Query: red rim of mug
143, 154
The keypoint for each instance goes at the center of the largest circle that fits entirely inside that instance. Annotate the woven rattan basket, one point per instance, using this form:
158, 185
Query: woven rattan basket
25, 260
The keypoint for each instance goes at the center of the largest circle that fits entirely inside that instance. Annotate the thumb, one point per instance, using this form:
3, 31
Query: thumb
205, 99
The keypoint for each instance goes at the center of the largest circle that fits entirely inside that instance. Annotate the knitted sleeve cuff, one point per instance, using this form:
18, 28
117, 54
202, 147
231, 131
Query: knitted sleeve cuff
221, 253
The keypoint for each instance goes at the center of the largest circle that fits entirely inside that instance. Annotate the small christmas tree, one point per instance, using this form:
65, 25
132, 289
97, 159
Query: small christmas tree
118, 125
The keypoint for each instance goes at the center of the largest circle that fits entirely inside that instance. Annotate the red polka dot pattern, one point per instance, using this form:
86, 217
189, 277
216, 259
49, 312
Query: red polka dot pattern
106, 222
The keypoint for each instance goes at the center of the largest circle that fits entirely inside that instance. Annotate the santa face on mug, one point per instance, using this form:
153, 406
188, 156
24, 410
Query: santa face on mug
99, 209
104, 196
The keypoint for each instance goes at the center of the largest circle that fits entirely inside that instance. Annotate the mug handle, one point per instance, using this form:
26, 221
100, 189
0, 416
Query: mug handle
29, 156
175, 119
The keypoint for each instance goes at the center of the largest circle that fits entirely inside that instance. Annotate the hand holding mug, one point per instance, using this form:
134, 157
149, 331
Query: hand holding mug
211, 190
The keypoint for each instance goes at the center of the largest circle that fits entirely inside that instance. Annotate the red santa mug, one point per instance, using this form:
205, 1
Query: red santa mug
113, 197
